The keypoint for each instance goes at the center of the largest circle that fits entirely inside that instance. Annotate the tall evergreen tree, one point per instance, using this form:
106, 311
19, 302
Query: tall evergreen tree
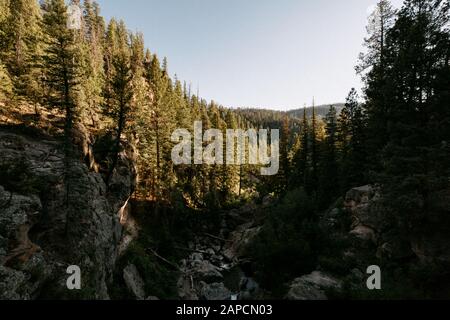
329, 171
120, 107
5, 80
60, 64
139, 86
415, 159
63, 77
162, 123
110, 49
378, 89
352, 139
300, 161
380, 22
234, 174
5, 83
4, 15
284, 170
93, 44
311, 177
23, 48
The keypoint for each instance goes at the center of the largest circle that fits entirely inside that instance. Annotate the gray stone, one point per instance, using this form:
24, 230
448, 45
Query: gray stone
206, 271
365, 234
215, 292
239, 240
42, 230
134, 281
186, 290
313, 287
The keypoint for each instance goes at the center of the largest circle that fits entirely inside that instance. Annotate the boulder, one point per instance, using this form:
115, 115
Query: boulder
134, 282
206, 271
215, 292
365, 235
239, 240
359, 195
196, 257
186, 290
313, 287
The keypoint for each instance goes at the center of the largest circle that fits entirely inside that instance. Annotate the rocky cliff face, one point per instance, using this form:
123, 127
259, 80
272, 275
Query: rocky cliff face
55, 213
368, 229
373, 226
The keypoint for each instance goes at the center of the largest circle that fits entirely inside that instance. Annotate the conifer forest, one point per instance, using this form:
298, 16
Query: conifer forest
118, 181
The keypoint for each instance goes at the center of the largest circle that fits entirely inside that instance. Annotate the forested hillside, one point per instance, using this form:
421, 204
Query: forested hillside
396, 140
101, 81
103, 77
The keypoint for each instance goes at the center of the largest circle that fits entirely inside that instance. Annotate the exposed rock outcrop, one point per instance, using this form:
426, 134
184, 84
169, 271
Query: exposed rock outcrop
313, 286
214, 292
134, 282
239, 239
55, 213
213, 271
367, 231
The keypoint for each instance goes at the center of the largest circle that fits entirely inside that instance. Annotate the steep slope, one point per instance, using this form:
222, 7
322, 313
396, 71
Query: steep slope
52, 217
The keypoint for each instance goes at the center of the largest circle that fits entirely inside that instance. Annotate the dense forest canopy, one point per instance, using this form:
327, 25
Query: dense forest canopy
395, 134
103, 76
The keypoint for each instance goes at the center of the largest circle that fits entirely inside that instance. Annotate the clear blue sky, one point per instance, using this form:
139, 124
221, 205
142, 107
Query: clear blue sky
254, 53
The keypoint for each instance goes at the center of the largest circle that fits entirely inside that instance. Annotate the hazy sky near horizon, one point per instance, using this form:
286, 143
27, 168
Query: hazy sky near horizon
275, 54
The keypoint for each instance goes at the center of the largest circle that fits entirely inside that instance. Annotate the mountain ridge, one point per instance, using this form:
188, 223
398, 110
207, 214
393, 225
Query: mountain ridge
321, 110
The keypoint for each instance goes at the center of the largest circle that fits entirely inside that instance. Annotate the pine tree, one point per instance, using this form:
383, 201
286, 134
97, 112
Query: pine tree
139, 86
4, 15
235, 174
352, 139
120, 107
61, 67
415, 159
5, 80
300, 161
196, 174
378, 90
284, 171
207, 186
162, 124
5, 83
92, 45
329, 171
110, 49
60, 64
182, 117
23, 48
381, 21
311, 174
181, 104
